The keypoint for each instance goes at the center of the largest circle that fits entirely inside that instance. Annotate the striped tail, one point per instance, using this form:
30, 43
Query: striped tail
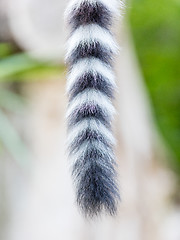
90, 88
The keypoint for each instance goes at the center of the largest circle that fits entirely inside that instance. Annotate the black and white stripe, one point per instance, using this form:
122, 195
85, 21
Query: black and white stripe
90, 87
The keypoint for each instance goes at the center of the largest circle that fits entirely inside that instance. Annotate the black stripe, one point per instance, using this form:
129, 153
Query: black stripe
93, 154
88, 13
91, 136
89, 110
92, 49
90, 80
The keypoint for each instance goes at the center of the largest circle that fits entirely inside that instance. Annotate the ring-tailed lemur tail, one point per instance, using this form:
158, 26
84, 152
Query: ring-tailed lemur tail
90, 111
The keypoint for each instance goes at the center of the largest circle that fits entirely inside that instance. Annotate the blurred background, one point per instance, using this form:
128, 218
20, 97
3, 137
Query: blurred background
36, 195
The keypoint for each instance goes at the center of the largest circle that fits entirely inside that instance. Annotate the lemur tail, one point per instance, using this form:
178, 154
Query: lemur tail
90, 89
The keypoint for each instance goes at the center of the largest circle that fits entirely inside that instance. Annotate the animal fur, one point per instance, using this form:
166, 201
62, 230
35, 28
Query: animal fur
90, 87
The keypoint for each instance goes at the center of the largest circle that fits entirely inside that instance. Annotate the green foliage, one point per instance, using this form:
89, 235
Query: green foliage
11, 141
156, 31
17, 66
9, 137
20, 67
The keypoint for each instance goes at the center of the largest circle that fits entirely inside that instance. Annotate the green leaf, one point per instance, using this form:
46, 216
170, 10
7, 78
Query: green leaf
15, 64
11, 101
12, 141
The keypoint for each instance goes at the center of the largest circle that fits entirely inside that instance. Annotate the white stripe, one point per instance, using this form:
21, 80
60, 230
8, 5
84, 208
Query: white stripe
92, 124
91, 96
86, 65
91, 33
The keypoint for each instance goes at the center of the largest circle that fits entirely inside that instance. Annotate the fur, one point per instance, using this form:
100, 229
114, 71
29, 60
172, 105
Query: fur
90, 86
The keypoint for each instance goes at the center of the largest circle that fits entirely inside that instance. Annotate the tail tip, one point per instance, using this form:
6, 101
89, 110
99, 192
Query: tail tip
97, 195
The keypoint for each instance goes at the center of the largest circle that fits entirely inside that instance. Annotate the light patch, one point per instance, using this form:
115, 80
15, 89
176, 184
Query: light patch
87, 65
94, 125
91, 96
91, 33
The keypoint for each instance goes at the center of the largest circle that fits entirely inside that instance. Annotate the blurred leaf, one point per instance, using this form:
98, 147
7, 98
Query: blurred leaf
12, 142
22, 67
11, 101
41, 73
15, 64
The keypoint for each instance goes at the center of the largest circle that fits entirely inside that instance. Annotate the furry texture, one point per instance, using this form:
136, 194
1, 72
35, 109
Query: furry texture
90, 88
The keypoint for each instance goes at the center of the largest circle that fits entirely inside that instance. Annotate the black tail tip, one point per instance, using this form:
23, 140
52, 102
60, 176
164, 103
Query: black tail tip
98, 196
